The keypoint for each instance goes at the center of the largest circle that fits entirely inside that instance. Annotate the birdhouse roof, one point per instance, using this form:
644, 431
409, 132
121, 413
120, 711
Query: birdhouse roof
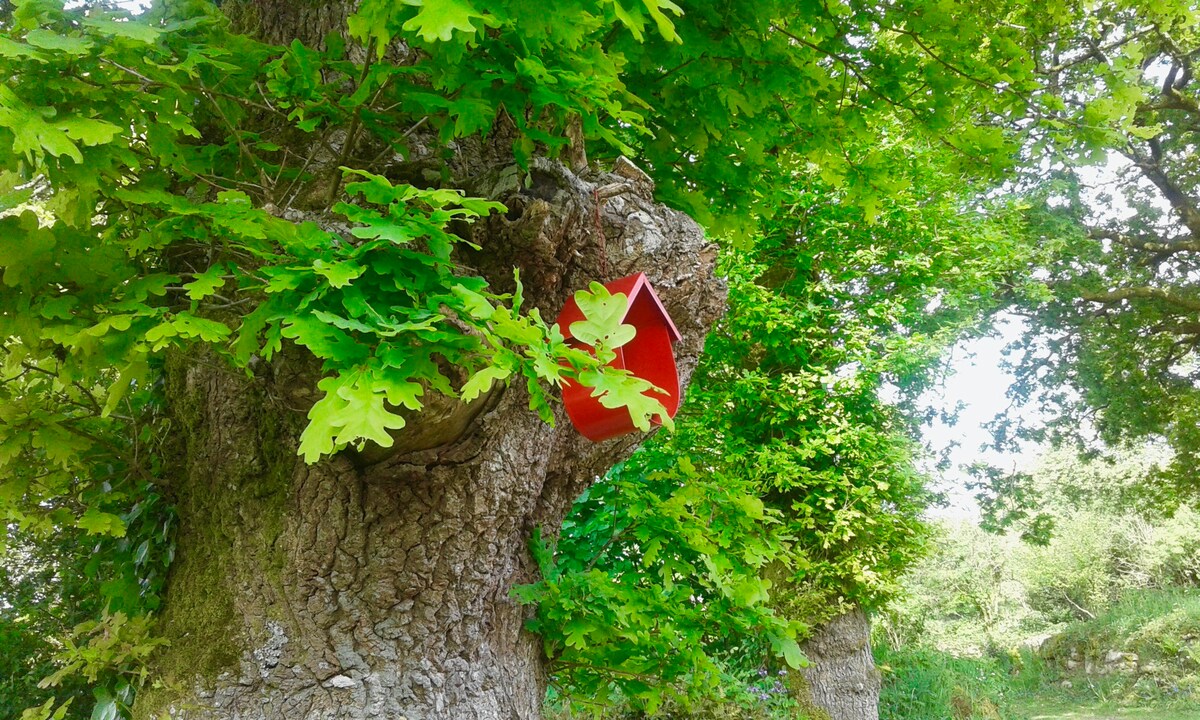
637, 289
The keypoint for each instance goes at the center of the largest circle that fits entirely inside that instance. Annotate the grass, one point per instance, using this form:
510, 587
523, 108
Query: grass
1161, 626
1052, 710
1155, 624
924, 684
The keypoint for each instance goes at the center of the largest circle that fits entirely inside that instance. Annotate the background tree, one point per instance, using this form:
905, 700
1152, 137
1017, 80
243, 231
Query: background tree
1111, 354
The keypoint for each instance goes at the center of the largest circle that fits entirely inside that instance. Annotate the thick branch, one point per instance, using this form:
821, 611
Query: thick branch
1142, 293
1152, 168
1156, 245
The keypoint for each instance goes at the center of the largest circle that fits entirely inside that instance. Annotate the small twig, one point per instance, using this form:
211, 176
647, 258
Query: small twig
131, 71
352, 131
237, 136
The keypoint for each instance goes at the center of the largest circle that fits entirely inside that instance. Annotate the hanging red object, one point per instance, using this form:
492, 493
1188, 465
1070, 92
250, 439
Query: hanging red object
648, 356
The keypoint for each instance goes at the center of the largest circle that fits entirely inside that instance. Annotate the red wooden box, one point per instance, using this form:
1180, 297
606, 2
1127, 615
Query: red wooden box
647, 356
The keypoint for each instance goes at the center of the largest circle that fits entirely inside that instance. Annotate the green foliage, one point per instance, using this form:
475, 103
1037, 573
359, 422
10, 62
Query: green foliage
1111, 356
169, 265
968, 595
1101, 522
760, 93
663, 565
942, 656
978, 592
925, 684
603, 330
115, 645
789, 484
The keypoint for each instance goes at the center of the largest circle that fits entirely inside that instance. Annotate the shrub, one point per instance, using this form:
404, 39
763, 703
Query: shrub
925, 684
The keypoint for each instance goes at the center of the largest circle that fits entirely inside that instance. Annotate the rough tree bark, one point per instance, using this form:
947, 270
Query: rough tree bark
842, 680
367, 587
378, 585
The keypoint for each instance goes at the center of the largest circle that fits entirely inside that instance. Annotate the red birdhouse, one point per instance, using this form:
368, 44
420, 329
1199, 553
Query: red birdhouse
648, 356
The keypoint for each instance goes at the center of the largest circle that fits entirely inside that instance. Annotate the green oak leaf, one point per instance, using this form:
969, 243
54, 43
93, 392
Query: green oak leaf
365, 416
339, 274
666, 28
439, 19
133, 373
128, 29
481, 381
323, 340
48, 40
790, 650
207, 282
88, 131
95, 522
476, 305
603, 313
621, 388
399, 392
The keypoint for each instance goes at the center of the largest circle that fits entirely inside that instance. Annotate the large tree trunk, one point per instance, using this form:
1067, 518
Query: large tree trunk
378, 585
842, 680
368, 587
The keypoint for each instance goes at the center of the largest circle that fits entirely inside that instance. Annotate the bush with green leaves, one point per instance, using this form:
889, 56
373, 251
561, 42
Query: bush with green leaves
966, 597
980, 590
925, 684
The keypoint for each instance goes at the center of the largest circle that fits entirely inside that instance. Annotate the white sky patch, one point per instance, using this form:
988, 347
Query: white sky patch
977, 381
978, 386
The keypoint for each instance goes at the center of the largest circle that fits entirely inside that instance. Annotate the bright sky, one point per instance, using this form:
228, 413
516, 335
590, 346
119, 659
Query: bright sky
978, 382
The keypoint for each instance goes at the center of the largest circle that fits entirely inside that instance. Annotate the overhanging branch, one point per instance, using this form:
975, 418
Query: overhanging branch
1142, 293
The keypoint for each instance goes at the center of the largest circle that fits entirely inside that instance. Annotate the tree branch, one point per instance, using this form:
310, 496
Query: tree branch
1142, 293
1156, 245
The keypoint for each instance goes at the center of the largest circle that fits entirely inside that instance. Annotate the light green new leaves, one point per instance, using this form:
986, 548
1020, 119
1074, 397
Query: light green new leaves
207, 282
339, 274
49, 40
96, 522
482, 381
440, 19
88, 131
789, 649
604, 315
603, 328
633, 19
621, 388
353, 411
186, 326
128, 29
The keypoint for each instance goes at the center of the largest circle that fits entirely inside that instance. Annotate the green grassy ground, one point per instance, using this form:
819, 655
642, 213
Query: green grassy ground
1161, 626
1042, 710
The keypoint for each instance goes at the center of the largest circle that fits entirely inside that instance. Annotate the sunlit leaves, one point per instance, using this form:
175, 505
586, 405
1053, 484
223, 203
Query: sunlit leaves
440, 19
621, 388
482, 381
604, 313
96, 522
353, 411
